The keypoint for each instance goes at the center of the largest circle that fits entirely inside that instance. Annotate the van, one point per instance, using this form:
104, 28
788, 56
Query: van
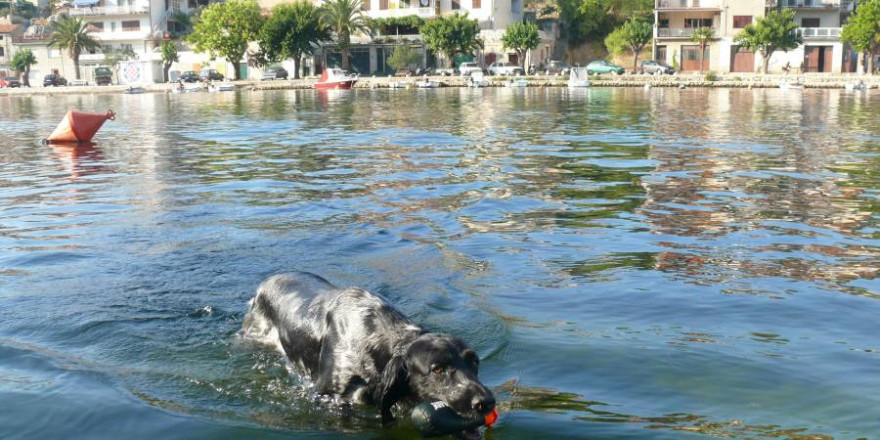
103, 76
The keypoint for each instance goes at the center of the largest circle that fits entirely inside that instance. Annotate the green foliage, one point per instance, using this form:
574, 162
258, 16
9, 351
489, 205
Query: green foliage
226, 28
74, 36
292, 31
637, 34
405, 58
344, 18
22, 62
776, 31
452, 34
169, 56
521, 37
615, 42
702, 35
711, 76
675, 64
407, 25
862, 30
585, 20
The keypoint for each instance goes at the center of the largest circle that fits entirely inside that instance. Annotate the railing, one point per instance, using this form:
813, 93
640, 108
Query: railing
810, 4
108, 10
141, 34
820, 32
684, 4
401, 12
679, 32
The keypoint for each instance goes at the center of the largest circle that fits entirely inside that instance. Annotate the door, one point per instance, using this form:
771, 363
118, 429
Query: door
690, 58
818, 58
742, 60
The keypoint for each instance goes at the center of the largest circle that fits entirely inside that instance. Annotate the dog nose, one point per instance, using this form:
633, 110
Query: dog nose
483, 404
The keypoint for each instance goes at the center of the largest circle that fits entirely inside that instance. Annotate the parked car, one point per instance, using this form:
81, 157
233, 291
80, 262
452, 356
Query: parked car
10, 82
555, 67
54, 79
466, 69
189, 76
654, 66
505, 68
274, 72
103, 76
210, 75
603, 66
444, 71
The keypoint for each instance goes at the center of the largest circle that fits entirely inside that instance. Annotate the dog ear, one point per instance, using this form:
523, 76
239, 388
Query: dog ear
395, 385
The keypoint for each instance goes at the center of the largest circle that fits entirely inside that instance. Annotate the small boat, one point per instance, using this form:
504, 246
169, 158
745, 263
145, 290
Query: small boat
578, 77
335, 78
427, 84
519, 82
187, 88
860, 85
398, 85
477, 79
135, 91
221, 87
787, 85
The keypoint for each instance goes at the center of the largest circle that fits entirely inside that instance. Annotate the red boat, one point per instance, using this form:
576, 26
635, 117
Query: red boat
333, 78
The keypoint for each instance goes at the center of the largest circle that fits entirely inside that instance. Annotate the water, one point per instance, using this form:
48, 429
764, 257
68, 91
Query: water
630, 264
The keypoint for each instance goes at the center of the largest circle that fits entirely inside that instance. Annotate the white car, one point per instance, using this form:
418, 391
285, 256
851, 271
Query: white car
506, 69
466, 69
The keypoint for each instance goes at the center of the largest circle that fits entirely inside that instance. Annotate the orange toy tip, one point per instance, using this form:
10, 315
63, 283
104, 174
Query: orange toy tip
492, 417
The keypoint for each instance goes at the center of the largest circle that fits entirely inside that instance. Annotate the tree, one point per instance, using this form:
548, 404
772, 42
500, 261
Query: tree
452, 34
226, 28
776, 31
701, 36
637, 34
22, 62
292, 31
584, 20
74, 36
405, 58
344, 18
862, 31
521, 37
169, 57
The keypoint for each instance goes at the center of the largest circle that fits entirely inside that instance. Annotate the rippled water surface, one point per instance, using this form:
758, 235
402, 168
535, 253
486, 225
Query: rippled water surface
666, 264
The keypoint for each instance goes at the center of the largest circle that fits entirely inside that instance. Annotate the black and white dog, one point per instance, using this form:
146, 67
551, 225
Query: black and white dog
355, 345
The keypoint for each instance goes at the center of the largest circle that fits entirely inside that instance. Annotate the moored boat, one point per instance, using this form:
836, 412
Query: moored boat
335, 78
221, 87
578, 77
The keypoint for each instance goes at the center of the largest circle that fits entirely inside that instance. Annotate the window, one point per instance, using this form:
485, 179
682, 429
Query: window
663, 23
97, 26
697, 22
456, 4
383, 4
741, 21
810, 22
477, 4
131, 25
2, 53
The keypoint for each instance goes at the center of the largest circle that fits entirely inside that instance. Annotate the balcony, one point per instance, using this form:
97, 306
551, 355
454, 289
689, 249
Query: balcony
687, 5
108, 10
401, 12
679, 32
820, 33
138, 35
811, 4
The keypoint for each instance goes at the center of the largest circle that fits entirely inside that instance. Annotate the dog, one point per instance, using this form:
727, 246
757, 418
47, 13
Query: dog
355, 345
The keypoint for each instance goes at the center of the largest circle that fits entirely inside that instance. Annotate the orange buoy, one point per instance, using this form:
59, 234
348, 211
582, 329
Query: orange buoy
79, 126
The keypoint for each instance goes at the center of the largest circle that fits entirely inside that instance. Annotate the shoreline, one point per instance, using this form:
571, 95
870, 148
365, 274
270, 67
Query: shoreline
809, 81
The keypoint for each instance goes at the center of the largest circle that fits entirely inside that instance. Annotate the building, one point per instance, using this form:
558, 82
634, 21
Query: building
820, 23
7, 32
676, 20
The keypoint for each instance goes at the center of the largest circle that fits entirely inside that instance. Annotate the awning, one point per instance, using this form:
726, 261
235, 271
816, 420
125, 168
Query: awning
78, 3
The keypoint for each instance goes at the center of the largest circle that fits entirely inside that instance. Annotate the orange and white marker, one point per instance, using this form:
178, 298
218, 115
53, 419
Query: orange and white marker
79, 126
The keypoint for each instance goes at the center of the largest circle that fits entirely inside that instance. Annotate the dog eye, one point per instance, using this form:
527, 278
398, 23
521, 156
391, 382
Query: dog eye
438, 369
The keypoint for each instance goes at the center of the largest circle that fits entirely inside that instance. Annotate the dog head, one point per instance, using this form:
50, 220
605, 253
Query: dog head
436, 367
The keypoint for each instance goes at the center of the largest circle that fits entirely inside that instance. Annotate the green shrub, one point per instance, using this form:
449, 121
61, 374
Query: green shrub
711, 76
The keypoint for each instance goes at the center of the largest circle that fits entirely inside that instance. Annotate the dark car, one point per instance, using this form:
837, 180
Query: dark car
10, 82
654, 66
189, 76
54, 79
274, 72
554, 67
210, 75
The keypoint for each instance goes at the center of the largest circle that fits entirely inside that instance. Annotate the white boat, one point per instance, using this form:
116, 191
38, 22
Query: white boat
860, 85
787, 85
518, 82
477, 79
578, 77
187, 88
221, 87
398, 85
427, 84
334, 78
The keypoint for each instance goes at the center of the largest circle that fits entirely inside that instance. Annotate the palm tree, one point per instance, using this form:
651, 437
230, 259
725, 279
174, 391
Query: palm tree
344, 18
702, 36
74, 36
22, 62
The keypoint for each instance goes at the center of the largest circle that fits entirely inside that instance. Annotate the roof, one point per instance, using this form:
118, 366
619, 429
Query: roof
8, 28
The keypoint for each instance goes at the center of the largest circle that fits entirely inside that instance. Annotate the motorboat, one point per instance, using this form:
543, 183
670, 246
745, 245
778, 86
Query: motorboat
477, 79
427, 84
578, 77
135, 90
518, 82
852, 86
221, 87
398, 85
187, 88
335, 78
785, 84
